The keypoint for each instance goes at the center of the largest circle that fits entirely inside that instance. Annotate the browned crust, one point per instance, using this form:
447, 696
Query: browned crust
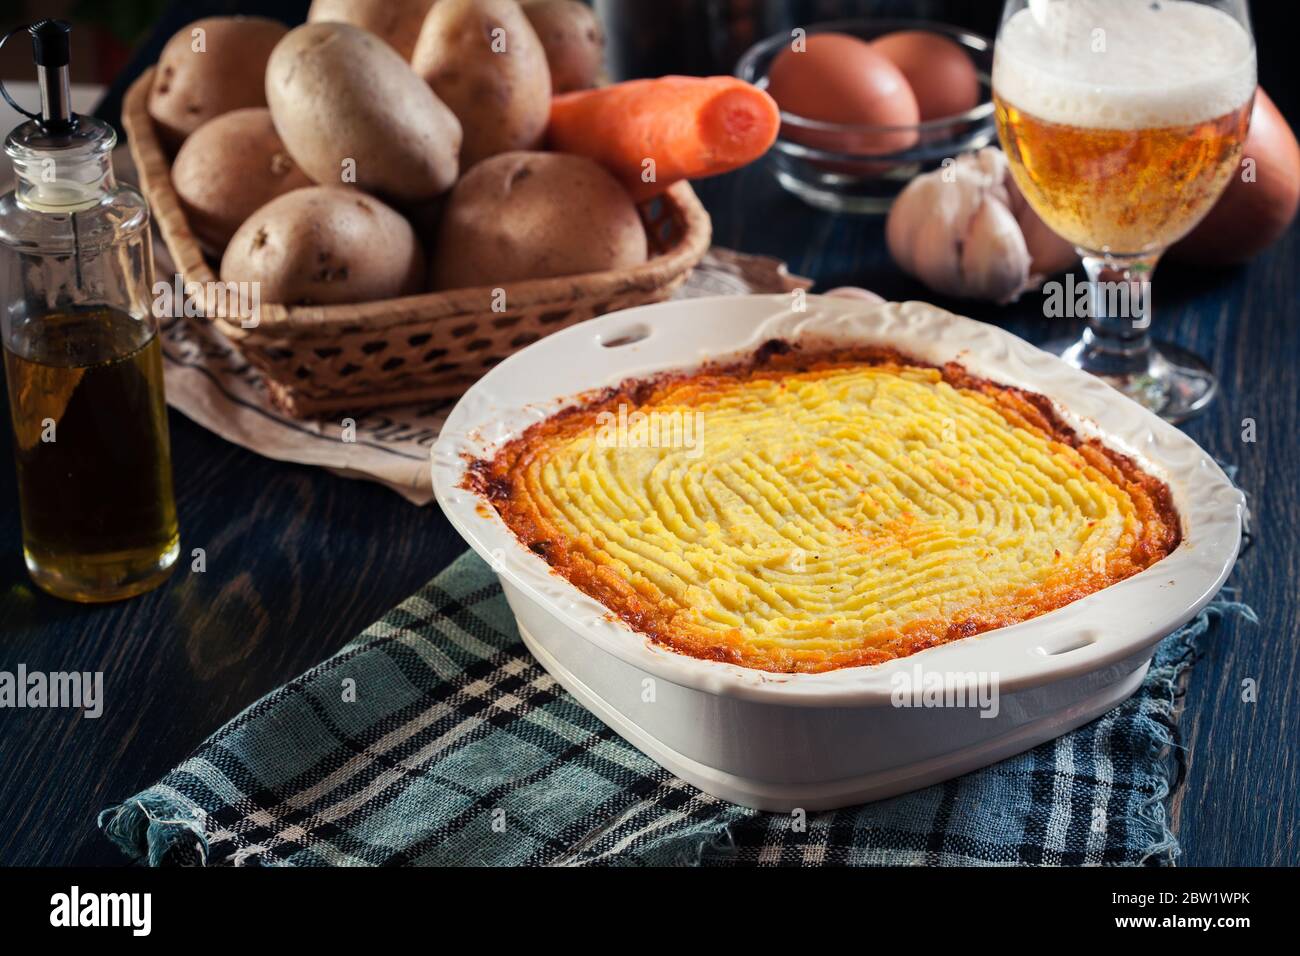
495, 479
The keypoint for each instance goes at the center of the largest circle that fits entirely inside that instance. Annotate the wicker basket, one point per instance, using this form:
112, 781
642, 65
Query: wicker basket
351, 357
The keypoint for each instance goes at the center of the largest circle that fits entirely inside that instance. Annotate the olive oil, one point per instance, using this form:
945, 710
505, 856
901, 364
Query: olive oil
91, 444
82, 360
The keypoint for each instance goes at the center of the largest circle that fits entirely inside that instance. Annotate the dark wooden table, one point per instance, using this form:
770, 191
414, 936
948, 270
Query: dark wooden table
299, 560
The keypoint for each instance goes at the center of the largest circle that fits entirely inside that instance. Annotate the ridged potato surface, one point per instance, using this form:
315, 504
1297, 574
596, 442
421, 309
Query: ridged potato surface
803, 511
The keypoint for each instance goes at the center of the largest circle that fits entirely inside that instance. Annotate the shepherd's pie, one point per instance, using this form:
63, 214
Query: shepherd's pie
812, 510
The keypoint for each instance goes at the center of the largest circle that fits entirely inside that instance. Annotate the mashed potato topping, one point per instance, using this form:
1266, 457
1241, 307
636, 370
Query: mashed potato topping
808, 512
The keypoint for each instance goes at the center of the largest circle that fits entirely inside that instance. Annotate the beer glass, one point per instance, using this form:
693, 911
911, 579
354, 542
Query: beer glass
1123, 121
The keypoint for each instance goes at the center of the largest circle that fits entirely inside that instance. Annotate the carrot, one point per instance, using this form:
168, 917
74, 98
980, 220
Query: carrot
688, 126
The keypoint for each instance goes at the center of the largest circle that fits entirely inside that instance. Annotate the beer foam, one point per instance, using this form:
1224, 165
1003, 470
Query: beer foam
1123, 64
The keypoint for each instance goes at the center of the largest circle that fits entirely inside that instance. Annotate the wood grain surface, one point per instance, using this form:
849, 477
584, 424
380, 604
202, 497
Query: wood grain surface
299, 560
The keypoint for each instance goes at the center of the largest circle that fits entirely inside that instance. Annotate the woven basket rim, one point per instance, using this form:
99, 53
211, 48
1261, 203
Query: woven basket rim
323, 321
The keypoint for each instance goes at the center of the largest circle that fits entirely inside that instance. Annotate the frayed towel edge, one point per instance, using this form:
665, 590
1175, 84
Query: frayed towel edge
154, 828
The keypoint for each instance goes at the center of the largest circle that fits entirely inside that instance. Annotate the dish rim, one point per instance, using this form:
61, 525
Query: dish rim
1096, 631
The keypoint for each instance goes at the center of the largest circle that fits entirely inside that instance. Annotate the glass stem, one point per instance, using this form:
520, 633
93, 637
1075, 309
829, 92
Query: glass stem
1119, 314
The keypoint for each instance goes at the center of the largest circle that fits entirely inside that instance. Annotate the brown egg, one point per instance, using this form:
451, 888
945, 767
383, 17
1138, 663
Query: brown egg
940, 73
1259, 203
838, 78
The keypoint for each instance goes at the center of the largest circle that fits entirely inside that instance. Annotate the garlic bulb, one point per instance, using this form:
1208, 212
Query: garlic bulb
966, 231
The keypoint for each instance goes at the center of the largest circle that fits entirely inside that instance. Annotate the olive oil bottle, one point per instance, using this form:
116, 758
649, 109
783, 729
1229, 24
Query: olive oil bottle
90, 441
82, 358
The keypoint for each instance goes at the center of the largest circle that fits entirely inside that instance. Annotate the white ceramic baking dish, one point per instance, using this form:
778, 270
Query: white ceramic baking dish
817, 741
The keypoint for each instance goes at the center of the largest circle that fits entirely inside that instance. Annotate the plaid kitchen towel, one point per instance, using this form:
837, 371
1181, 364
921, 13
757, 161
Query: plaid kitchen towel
434, 738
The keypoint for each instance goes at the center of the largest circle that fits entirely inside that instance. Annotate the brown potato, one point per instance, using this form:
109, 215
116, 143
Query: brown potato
483, 59
573, 40
396, 22
227, 169
351, 112
211, 67
325, 244
532, 216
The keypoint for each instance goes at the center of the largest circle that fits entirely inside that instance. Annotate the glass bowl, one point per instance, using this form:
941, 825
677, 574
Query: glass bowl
862, 182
